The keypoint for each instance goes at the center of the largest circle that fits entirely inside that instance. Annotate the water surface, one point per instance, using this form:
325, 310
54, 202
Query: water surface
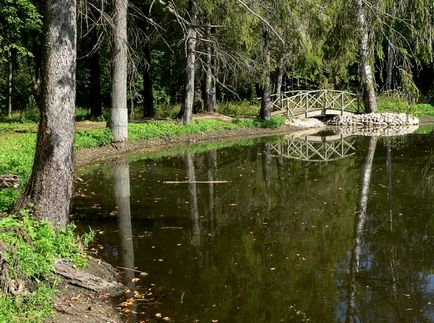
292, 231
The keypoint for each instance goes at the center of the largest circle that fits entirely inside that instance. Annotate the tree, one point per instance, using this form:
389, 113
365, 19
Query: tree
50, 185
367, 76
191, 36
119, 111
17, 17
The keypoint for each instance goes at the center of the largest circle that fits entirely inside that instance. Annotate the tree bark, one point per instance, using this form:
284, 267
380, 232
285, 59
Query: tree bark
265, 112
279, 80
119, 111
367, 76
210, 83
10, 79
50, 185
389, 67
191, 65
148, 96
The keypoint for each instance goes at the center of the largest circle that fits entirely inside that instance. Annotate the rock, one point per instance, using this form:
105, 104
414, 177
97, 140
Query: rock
306, 123
375, 120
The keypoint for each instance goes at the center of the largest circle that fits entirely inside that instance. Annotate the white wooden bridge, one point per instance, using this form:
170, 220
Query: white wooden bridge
315, 148
296, 104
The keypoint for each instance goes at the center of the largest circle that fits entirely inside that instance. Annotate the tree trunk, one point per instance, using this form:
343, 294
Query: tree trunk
119, 111
210, 84
367, 77
191, 65
265, 112
389, 67
148, 96
10, 79
50, 185
95, 86
280, 71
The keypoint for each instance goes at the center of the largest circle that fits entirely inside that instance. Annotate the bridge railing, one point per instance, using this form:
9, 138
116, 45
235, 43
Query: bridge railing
316, 148
296, 103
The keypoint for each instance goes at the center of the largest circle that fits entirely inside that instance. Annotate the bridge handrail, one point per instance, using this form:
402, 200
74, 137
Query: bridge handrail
306, 101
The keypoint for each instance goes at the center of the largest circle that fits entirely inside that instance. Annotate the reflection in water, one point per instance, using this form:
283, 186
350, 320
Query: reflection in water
280, 240
316, 148
194, 212
359, 225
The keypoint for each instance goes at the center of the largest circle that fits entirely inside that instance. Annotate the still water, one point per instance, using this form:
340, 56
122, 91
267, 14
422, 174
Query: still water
317, 229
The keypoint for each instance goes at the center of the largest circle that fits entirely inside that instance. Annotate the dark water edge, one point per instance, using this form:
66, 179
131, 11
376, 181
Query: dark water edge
281, 239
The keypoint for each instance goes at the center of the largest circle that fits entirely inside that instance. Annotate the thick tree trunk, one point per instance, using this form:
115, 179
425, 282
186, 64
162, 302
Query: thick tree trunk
50, 185
191, 66
119, 111
210, 84
367, 77
95, 86
265, 112
148, 96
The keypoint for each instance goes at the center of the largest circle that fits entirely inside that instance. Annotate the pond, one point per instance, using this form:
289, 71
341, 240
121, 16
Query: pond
320, 228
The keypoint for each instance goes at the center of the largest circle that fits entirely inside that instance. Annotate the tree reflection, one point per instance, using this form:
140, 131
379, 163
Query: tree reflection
194, 211
359, 225
121, 177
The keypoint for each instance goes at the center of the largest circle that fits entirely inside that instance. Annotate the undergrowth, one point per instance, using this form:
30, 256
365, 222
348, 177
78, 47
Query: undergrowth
29, 249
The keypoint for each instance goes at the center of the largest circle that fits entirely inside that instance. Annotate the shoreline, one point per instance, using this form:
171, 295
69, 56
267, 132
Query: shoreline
88, 156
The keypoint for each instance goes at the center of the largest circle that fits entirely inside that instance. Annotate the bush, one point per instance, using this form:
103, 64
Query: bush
242, 108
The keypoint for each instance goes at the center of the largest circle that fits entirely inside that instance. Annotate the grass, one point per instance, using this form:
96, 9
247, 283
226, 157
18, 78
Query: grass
395, 103
31, 260
17, 142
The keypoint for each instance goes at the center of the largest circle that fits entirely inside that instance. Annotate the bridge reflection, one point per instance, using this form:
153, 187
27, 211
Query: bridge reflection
316, 148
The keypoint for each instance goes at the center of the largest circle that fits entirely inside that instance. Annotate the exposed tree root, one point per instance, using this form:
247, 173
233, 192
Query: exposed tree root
9, 181
83, 279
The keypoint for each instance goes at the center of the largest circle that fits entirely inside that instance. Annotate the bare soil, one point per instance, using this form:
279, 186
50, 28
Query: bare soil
77, 304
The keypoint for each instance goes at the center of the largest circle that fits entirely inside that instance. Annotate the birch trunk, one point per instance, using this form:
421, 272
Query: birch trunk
50, 185
191, 66
367, 77
119, 111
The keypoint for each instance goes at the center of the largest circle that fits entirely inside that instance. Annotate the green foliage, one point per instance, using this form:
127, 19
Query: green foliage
33, 261
92, 138
16, 18
34, 308
242, 108
395, 102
